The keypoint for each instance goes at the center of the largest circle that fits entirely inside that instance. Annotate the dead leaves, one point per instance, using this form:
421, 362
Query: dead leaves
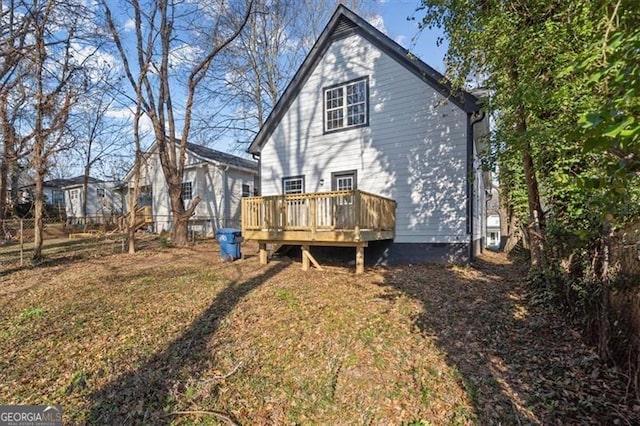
134, 338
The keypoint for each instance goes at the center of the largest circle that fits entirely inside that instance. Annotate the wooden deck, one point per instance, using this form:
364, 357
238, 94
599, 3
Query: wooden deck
338, 218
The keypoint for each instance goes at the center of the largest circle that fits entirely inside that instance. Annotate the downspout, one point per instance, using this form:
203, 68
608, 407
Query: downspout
470, 178
256, 156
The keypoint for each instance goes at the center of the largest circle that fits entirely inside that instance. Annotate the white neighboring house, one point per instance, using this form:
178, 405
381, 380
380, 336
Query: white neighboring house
52, 191
493, 231
363, 113
104, 203
220, 179
493, 219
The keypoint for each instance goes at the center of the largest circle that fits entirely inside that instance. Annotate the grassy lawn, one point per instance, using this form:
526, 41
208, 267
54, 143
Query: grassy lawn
143, 339
59, 246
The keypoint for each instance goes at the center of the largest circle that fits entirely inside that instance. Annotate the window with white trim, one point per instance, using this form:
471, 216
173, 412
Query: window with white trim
185, 192
73, 194
293, 185
246, 190
100, 192
346, 105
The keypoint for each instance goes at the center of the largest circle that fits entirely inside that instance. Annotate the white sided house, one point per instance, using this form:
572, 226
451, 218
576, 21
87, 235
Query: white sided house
104, 203
364, 115
220, 179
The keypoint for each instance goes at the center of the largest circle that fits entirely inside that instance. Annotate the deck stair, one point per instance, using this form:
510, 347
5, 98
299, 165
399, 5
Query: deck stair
144, 218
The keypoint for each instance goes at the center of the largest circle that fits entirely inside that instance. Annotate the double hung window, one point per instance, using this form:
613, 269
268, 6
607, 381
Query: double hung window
293, 185
346, 105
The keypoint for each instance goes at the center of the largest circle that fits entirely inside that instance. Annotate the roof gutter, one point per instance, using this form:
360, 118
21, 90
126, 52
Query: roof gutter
471, 177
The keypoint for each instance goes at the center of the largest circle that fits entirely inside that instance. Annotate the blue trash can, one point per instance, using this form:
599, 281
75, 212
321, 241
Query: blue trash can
229, 240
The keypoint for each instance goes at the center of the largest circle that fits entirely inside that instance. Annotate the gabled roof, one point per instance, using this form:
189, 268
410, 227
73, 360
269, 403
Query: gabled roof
221, 157
209, 155
343, 23
79, 180
64, 182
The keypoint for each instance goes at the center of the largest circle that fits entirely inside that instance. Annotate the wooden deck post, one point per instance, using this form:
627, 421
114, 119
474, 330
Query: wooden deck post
305, 258
357, 214
263, 253
359, 259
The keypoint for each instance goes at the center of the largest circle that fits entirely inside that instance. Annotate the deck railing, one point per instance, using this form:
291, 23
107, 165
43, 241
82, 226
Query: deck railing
318, 212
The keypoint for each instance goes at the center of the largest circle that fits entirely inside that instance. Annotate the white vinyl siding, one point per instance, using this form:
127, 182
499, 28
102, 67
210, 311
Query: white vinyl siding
413, 149
103, 202
220, 188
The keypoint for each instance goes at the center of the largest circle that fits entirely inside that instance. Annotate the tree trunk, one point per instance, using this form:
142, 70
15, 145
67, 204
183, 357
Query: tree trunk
131, 233
133, 196
536, 217
180, 231
4, 177
14, 174
181, 216
605, 301
85, 190
509, 235
534, 229
38, 224
8, 154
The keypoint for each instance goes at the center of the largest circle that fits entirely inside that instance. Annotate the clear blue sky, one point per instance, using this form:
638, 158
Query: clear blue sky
394, 14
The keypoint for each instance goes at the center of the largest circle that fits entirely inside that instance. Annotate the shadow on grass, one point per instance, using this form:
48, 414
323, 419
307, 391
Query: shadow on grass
14, 250
142, 396
519, 364
58, 255
8, 268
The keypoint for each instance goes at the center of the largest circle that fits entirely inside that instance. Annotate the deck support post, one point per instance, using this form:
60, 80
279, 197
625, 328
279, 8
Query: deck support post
263, 253
359, 259
305, 258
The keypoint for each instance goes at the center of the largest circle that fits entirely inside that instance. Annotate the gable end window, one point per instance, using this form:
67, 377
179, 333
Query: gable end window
346, 105
293, 185
186, 191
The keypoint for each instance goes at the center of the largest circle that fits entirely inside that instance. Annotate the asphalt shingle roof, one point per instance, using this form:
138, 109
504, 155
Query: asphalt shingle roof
222, 157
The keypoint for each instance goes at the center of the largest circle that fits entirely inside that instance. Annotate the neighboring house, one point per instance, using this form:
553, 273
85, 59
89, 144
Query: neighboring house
220, 179
53, 194
104, 203
363, 113
493, 219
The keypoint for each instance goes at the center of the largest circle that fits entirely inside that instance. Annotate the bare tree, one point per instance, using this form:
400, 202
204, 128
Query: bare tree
97, 138
13, 98
14, 31
55, 80
263, 59
203, 29
15, 26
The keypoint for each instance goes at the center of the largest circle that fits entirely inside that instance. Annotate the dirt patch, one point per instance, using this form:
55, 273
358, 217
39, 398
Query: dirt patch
125, 339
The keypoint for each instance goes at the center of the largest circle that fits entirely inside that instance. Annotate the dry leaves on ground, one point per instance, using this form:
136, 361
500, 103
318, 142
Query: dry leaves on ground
146, 338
